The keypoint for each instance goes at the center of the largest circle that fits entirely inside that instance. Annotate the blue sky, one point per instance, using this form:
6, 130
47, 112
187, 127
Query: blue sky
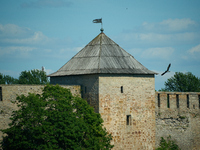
36, 33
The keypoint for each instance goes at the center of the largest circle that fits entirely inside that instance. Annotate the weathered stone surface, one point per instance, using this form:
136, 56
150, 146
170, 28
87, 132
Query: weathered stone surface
136, 100
150, 120
178, 115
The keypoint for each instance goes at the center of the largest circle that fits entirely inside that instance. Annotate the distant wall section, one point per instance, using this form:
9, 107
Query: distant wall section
89, 86
8, 94
178, 115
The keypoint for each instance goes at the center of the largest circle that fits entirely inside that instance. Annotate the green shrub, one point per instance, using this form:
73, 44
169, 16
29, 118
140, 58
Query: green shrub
168, 144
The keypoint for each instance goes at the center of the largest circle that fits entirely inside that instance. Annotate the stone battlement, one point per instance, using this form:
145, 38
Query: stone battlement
178, 115
178, 100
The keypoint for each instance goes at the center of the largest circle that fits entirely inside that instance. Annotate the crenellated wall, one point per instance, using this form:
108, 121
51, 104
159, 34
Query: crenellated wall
178, 115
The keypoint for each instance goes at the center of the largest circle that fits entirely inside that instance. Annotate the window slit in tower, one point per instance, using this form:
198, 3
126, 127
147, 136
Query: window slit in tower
128, 119
122, 90
199, 101
158, 100
1, 98
168, 103
188, 101
177, 100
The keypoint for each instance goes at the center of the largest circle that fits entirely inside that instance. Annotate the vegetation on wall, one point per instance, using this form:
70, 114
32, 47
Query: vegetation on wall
167, 144
55, 120
182, 82
26, 77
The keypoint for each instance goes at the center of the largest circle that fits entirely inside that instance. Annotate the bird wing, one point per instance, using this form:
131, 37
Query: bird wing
168, 67
163, 73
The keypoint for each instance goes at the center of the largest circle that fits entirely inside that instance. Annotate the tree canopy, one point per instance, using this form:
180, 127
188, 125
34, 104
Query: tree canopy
55, 120
6, 79
182, 82
33, 77
2, 81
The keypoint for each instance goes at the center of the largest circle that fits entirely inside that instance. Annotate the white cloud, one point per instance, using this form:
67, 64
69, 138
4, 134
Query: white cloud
13, 49
162, 53
12, 31
173, 25
195, 49
13, 34
48, 71
36, 38
46, 3
166, 33
177, 24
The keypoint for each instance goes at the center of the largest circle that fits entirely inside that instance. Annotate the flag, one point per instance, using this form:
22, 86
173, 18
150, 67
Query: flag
97, 20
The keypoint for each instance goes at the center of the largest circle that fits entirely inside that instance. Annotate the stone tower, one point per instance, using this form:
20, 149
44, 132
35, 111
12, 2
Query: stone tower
120, 88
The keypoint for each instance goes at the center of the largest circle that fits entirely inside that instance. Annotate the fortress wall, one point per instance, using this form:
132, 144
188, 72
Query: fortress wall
127, 106
178, 115
164, 113
8, 94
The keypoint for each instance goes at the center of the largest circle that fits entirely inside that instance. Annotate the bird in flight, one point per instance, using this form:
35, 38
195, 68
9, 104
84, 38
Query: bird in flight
166, 70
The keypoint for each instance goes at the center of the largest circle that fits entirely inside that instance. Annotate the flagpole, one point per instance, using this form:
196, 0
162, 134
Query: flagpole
101, 26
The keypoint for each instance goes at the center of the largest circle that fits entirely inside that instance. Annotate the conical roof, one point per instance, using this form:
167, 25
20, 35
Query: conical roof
102, 55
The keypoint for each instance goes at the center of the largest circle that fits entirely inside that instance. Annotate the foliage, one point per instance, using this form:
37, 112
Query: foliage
182, 82
6, 79
10, 80
167, 144
55, 120
33, 77
2, 81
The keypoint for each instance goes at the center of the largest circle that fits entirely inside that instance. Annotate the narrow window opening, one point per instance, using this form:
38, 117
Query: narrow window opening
85, 89
158, 100
193, 106
168, 104
128, 119
177, 100
1, 97
188, 101
199, 101
122, 90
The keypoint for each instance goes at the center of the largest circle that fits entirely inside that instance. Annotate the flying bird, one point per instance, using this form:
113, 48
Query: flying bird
166, 70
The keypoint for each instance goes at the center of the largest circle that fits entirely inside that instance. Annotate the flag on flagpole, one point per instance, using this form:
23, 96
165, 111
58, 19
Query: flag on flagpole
97, 20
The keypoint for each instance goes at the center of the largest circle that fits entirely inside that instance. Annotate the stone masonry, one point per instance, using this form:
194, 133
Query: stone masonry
127, 106
178, 115
136, 119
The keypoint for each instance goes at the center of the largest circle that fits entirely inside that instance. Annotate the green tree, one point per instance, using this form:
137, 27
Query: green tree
33, 77
168, 144
55, 120
182, 82
2, 81
10, 80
